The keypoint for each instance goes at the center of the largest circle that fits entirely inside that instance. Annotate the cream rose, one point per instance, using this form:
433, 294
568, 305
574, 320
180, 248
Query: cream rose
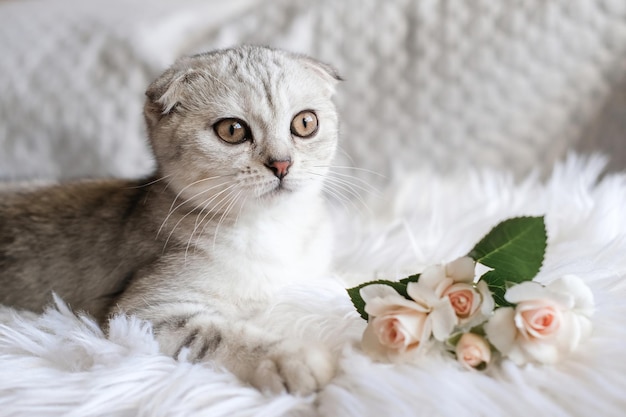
546, 322
473, 351
396, 326
472, 304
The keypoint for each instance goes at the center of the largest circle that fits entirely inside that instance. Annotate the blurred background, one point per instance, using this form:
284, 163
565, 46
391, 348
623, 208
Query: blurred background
445, 85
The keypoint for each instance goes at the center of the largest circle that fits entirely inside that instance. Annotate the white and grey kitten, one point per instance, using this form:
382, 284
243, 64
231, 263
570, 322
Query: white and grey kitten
243, 139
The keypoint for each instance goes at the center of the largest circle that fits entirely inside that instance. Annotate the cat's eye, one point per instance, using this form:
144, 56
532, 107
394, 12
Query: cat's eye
304, 124
232, 130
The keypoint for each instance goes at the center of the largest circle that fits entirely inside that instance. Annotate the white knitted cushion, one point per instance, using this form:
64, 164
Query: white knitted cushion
439, 83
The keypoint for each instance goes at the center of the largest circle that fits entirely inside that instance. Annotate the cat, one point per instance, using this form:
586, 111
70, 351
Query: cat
243, 139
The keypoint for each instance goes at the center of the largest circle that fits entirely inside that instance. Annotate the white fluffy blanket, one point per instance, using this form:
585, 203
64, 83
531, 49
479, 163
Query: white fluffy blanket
59, 364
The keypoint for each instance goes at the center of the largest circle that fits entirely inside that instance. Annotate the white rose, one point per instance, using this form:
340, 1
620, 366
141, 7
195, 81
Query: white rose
441, 315
459, 270
546, 322
396, 326
472, 304
473, 351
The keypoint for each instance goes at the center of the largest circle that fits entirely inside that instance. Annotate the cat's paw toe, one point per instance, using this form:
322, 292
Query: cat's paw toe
296, 368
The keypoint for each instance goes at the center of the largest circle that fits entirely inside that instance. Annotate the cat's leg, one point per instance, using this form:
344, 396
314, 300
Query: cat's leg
263, 360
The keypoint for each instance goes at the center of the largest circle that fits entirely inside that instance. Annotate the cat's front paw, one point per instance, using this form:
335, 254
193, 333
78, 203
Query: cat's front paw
294, 367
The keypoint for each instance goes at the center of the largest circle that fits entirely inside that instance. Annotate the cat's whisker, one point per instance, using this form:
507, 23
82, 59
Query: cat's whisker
345, 153
216, 206
367, 188
214, 210
224, 202
341, 199
205, 204
369, 171
149, 183
208, 202
370, 188
191, 185
243, 203
338, 194
350, 184
353, 201
171, 211
228, 209
169, 182
347, 188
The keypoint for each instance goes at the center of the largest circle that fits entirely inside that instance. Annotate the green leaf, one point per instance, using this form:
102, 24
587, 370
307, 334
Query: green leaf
515, 249
498, 284
358, 302
410, 278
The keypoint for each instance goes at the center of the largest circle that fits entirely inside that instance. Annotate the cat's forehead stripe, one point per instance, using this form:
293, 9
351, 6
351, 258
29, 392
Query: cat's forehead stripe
259, 79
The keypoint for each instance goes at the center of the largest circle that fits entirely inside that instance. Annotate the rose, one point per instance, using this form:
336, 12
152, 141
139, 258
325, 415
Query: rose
473, 351
462, 297
546, 322
396, 326
394, 333
472, 304
441, 317
538, 319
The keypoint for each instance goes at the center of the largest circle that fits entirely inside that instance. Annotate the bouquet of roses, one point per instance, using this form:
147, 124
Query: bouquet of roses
501, 311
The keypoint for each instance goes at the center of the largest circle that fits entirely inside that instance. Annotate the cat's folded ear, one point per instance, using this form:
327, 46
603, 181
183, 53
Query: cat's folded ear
167, 92
327, 72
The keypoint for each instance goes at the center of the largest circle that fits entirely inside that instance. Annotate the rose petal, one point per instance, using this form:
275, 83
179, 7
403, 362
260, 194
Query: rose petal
542, 352
531, 290
487, 303
426, 332
517, 355
500, 329
443, 286
484, 306
391, 333
539, 319
466, 297
528, 290
480, 270
461, 269
380, 298
432, 276
570, 335
585, 327
380, 306
413, 324
372, 291
580, 292
443, 319
371, 344
577, 329
422, 293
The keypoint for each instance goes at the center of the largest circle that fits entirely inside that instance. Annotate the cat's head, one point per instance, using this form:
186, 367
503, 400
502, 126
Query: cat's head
248, 122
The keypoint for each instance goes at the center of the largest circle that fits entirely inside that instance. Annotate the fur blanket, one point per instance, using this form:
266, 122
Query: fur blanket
59, 363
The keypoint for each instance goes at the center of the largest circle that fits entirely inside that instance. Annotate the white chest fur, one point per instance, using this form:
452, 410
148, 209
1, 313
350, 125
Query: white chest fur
265, 249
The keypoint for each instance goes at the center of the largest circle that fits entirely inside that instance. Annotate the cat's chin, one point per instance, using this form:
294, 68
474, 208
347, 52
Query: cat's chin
277, 193
282, 193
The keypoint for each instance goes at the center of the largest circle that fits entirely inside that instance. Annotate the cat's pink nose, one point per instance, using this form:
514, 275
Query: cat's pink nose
279, 168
